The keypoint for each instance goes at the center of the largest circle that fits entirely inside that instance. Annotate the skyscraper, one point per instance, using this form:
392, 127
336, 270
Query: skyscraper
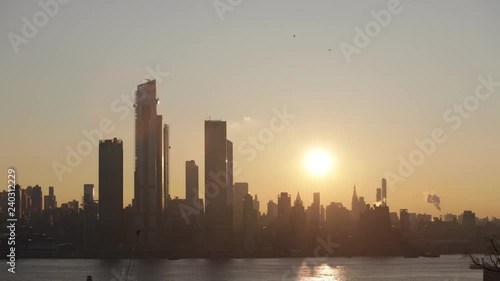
272, 209
316, 202
284, 220
239, 192
404, 220
384, 192
148, 191
217, 210
229, 171
88, 195
18, 201
355, 205
298, 200
469, 222
192, 185
284, 208
166, 163
379, 195
256, 204
314, 215
49, 201
110, 191
362, 205
90, 215
249, 224
29, 200
36, 197
159, 170
338, 219
229, 184
89, 205
24, 204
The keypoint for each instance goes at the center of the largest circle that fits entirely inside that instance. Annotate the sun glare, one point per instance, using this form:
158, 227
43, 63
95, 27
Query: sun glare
318, 162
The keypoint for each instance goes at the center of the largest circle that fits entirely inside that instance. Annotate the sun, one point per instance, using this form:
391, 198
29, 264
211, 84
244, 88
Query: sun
318, 161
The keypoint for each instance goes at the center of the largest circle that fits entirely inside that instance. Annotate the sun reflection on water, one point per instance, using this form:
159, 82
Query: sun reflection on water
321, 272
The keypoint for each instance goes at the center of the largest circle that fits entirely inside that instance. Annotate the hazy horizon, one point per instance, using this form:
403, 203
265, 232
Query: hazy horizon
262, 57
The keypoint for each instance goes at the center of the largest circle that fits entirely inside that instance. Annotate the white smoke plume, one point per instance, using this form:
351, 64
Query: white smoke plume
434, 200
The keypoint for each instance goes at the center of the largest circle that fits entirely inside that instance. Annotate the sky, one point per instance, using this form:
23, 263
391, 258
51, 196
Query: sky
245, 61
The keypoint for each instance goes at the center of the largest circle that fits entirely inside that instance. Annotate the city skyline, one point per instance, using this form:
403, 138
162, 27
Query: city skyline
379, 198
366, 121
250, 140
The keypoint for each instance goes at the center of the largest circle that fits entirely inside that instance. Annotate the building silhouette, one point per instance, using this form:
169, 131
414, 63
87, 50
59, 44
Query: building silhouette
362, 205
404, 221
297, 223
166, 164
239, 191
29, 201
284, 240
469, 223
375, 228
249, 224
229, 172
256, 204
338, 220
110, 191
49, 201
272, 210
88, 196
354, 205
384, 192
229, 187
284, 209
36, 197
192, 188
18, 198
218, 216
148, 189
316, 207
24, 204
450, 218
90, 209
298, 200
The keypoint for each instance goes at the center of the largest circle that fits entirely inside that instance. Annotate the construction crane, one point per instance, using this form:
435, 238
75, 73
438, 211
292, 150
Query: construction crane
131, 259
127, 274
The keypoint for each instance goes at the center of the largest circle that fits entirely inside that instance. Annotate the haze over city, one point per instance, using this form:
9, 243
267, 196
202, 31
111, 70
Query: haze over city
250, 140
262, 58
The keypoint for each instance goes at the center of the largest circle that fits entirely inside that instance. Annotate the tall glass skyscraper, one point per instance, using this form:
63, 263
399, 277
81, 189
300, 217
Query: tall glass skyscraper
218, 211
148, 194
